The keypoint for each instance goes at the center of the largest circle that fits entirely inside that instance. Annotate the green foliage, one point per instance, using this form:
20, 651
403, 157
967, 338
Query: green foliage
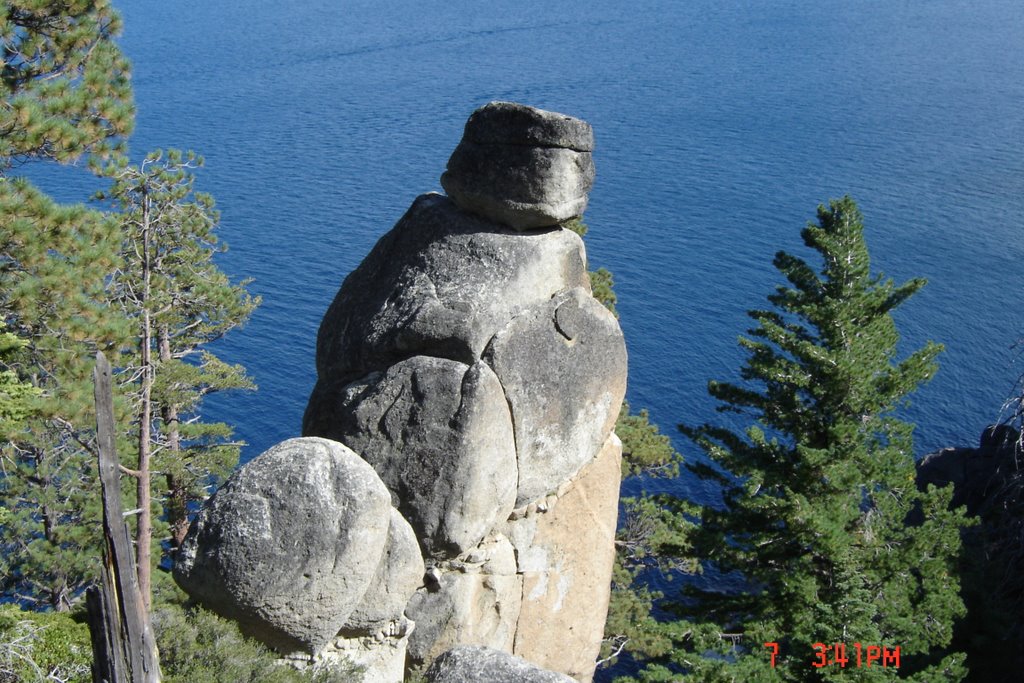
16, 396
197, 646
576, 225
601, 284
65, 94
43, 646
52, 280
65, 84
66, 284
179, 302
645, 450
819, 489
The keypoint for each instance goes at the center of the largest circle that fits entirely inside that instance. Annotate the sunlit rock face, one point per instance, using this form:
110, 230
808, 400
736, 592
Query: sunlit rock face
466, 360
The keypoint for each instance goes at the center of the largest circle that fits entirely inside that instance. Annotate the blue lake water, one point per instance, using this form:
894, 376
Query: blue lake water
720, 126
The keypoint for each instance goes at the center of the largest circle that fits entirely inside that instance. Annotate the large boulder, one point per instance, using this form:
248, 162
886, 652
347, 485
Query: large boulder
440, 283
474, 664
562, 364
290, 544
521, 166
466, 361
439, 434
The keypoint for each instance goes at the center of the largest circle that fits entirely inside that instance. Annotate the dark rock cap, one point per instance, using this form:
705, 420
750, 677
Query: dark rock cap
510, 123
520, 166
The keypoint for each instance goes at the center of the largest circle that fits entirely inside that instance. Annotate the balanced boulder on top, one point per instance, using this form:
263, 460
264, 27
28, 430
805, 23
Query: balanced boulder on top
521, 166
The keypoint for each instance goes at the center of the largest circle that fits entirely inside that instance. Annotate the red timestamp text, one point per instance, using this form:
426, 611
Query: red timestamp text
843, 656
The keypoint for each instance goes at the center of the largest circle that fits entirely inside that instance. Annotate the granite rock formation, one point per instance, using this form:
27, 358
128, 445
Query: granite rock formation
469, 664
565, 556
563, 366
439, 434
458, 480
441, 283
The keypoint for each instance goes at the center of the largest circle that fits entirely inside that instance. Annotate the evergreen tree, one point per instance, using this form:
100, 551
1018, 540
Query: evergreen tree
66, 94
65, 83
16, 396
52, 296
821, 518
178, 302
140, 285
601, 282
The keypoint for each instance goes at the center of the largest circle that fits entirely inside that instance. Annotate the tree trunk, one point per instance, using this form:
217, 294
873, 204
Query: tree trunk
144, 529
177, 495
124, 647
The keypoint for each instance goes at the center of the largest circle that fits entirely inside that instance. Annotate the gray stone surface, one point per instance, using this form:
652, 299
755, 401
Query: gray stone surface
511, 123
522, 187
290, 543
398, 575
439, 434
473, 664
473, 602
440, 283
467, 363
381, 656
524, 167
563, 367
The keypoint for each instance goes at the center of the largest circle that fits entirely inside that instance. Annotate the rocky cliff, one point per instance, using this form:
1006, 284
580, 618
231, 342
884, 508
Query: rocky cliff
457, 483
989, 481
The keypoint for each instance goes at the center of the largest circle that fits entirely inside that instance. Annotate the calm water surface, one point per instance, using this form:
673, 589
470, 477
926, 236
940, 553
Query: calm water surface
720, 126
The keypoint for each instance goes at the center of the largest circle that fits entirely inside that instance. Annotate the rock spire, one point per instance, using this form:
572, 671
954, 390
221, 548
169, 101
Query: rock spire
457, 482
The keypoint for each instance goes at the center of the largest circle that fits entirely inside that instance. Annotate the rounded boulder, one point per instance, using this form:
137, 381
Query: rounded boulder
290, 544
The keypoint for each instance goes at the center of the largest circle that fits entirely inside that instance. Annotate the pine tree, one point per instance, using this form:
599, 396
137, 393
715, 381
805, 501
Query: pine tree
820, 517
66, 89
74, 280
178, 302
66, 95
16, 396
52, 297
